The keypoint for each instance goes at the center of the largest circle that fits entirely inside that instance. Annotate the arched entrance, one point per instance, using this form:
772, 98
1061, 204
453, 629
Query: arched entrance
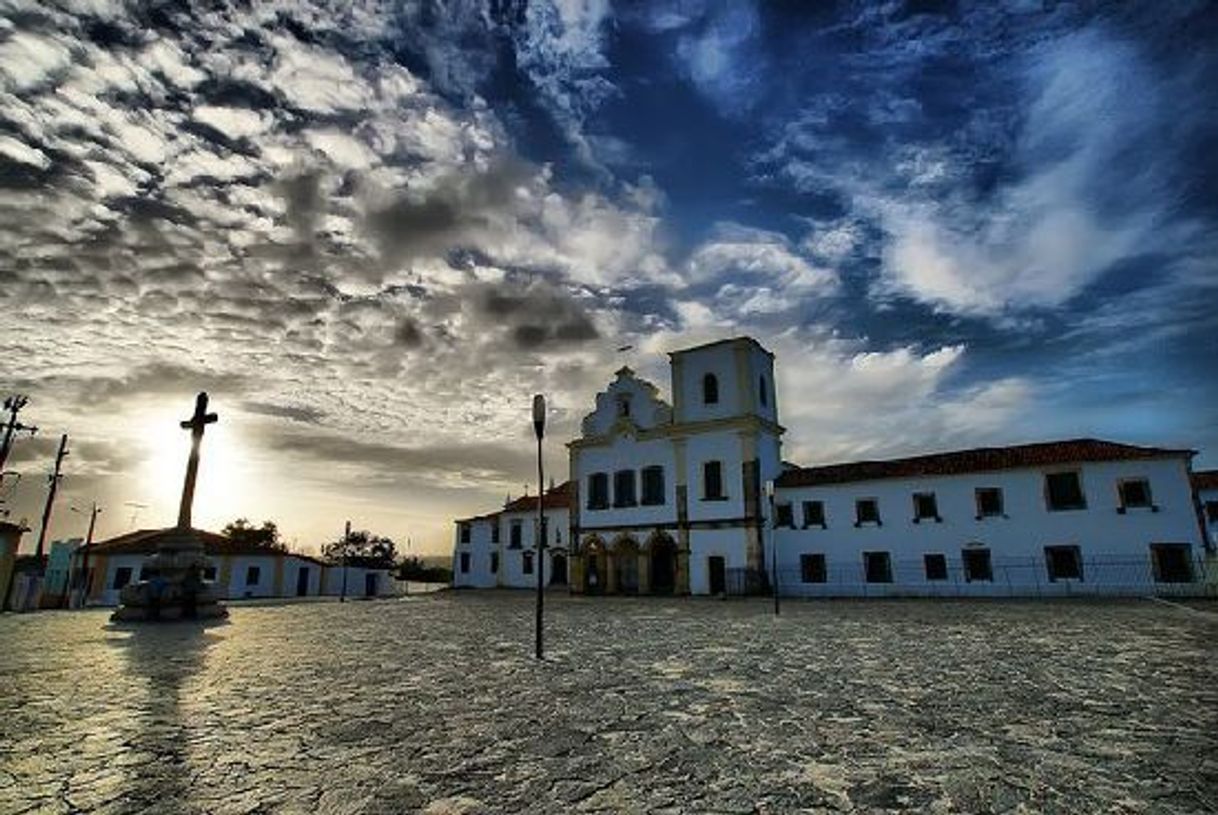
663, 562
626, 564
558, 569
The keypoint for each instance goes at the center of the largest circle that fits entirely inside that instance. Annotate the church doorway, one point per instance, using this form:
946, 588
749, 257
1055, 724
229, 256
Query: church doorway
663, 565
626, 562
302, 581
558, 570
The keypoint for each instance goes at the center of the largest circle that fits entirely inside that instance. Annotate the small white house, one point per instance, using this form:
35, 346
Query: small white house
237, 571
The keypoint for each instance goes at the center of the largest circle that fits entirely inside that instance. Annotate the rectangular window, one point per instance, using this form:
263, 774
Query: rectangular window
122, 576
989, 502
1064, 562
926, 507
1172, 562
209, 573
1135, 494
526, 562
936, 567
712, 481
814, 514
495, 531
623, 489
977, 566
494, 563
516, 535
866, 511
653, 486
784, 515
252, 575
465, 533
598, 491
1211, 511
878, 567
1064, 491
812, 568
464, 562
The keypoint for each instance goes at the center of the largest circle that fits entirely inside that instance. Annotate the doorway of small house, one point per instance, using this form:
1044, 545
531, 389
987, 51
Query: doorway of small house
370, 584
558, 570
717, 568
302, 581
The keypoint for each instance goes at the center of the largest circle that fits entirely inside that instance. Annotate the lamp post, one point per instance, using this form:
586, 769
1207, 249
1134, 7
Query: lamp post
769, 494
539, 428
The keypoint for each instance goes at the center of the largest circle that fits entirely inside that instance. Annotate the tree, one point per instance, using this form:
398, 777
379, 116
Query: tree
362, 549
415, 568
242, 531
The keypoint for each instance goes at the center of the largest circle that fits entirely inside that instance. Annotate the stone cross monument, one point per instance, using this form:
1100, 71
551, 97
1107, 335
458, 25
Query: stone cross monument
175, 588
196, 425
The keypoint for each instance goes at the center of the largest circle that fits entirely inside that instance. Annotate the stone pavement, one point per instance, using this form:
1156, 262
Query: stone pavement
684, 705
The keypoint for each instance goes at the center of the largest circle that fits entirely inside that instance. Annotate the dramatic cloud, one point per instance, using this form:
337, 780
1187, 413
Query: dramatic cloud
372, 231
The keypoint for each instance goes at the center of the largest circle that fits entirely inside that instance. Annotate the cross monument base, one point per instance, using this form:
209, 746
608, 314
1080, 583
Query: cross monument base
175, 589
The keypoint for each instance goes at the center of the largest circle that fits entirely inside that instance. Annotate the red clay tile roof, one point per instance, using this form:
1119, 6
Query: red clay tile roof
1205, 480
980, 459
144, 541
557, 498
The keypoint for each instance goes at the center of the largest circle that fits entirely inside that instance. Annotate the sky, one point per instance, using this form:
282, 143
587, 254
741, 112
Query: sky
373, 230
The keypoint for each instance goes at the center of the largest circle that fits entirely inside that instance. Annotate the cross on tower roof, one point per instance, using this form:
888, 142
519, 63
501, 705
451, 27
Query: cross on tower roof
195, 424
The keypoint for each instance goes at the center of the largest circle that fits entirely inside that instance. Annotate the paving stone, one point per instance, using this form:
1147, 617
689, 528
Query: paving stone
434, 704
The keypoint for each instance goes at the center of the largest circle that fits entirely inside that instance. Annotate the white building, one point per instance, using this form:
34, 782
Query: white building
671, 499
237, 571
500, 549
1069, 517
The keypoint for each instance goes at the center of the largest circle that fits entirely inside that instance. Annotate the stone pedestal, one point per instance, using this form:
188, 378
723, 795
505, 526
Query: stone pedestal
175, 589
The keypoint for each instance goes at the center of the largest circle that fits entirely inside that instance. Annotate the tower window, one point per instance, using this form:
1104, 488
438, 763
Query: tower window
712, 481
710, 389
761, 391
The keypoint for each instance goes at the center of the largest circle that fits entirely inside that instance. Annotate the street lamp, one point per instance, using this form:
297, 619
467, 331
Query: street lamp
539, 428
769, 494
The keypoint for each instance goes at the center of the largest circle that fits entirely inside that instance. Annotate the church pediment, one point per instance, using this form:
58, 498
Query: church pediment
628, 405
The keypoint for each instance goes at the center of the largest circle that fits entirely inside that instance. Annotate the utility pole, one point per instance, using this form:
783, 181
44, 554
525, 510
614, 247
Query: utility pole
54, 488
84, 556
13, 405
342, 598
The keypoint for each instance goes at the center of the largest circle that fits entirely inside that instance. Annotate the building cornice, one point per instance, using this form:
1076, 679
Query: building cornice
681, 430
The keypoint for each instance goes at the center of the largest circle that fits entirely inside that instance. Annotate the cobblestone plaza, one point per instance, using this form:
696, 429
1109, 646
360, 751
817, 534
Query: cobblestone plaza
433, 703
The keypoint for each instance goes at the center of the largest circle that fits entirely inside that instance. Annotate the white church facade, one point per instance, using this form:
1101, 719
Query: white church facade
693, 497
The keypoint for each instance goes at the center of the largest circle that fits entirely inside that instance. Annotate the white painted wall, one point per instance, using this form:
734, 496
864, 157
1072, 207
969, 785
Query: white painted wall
1114, 546
704, 543
627, 453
